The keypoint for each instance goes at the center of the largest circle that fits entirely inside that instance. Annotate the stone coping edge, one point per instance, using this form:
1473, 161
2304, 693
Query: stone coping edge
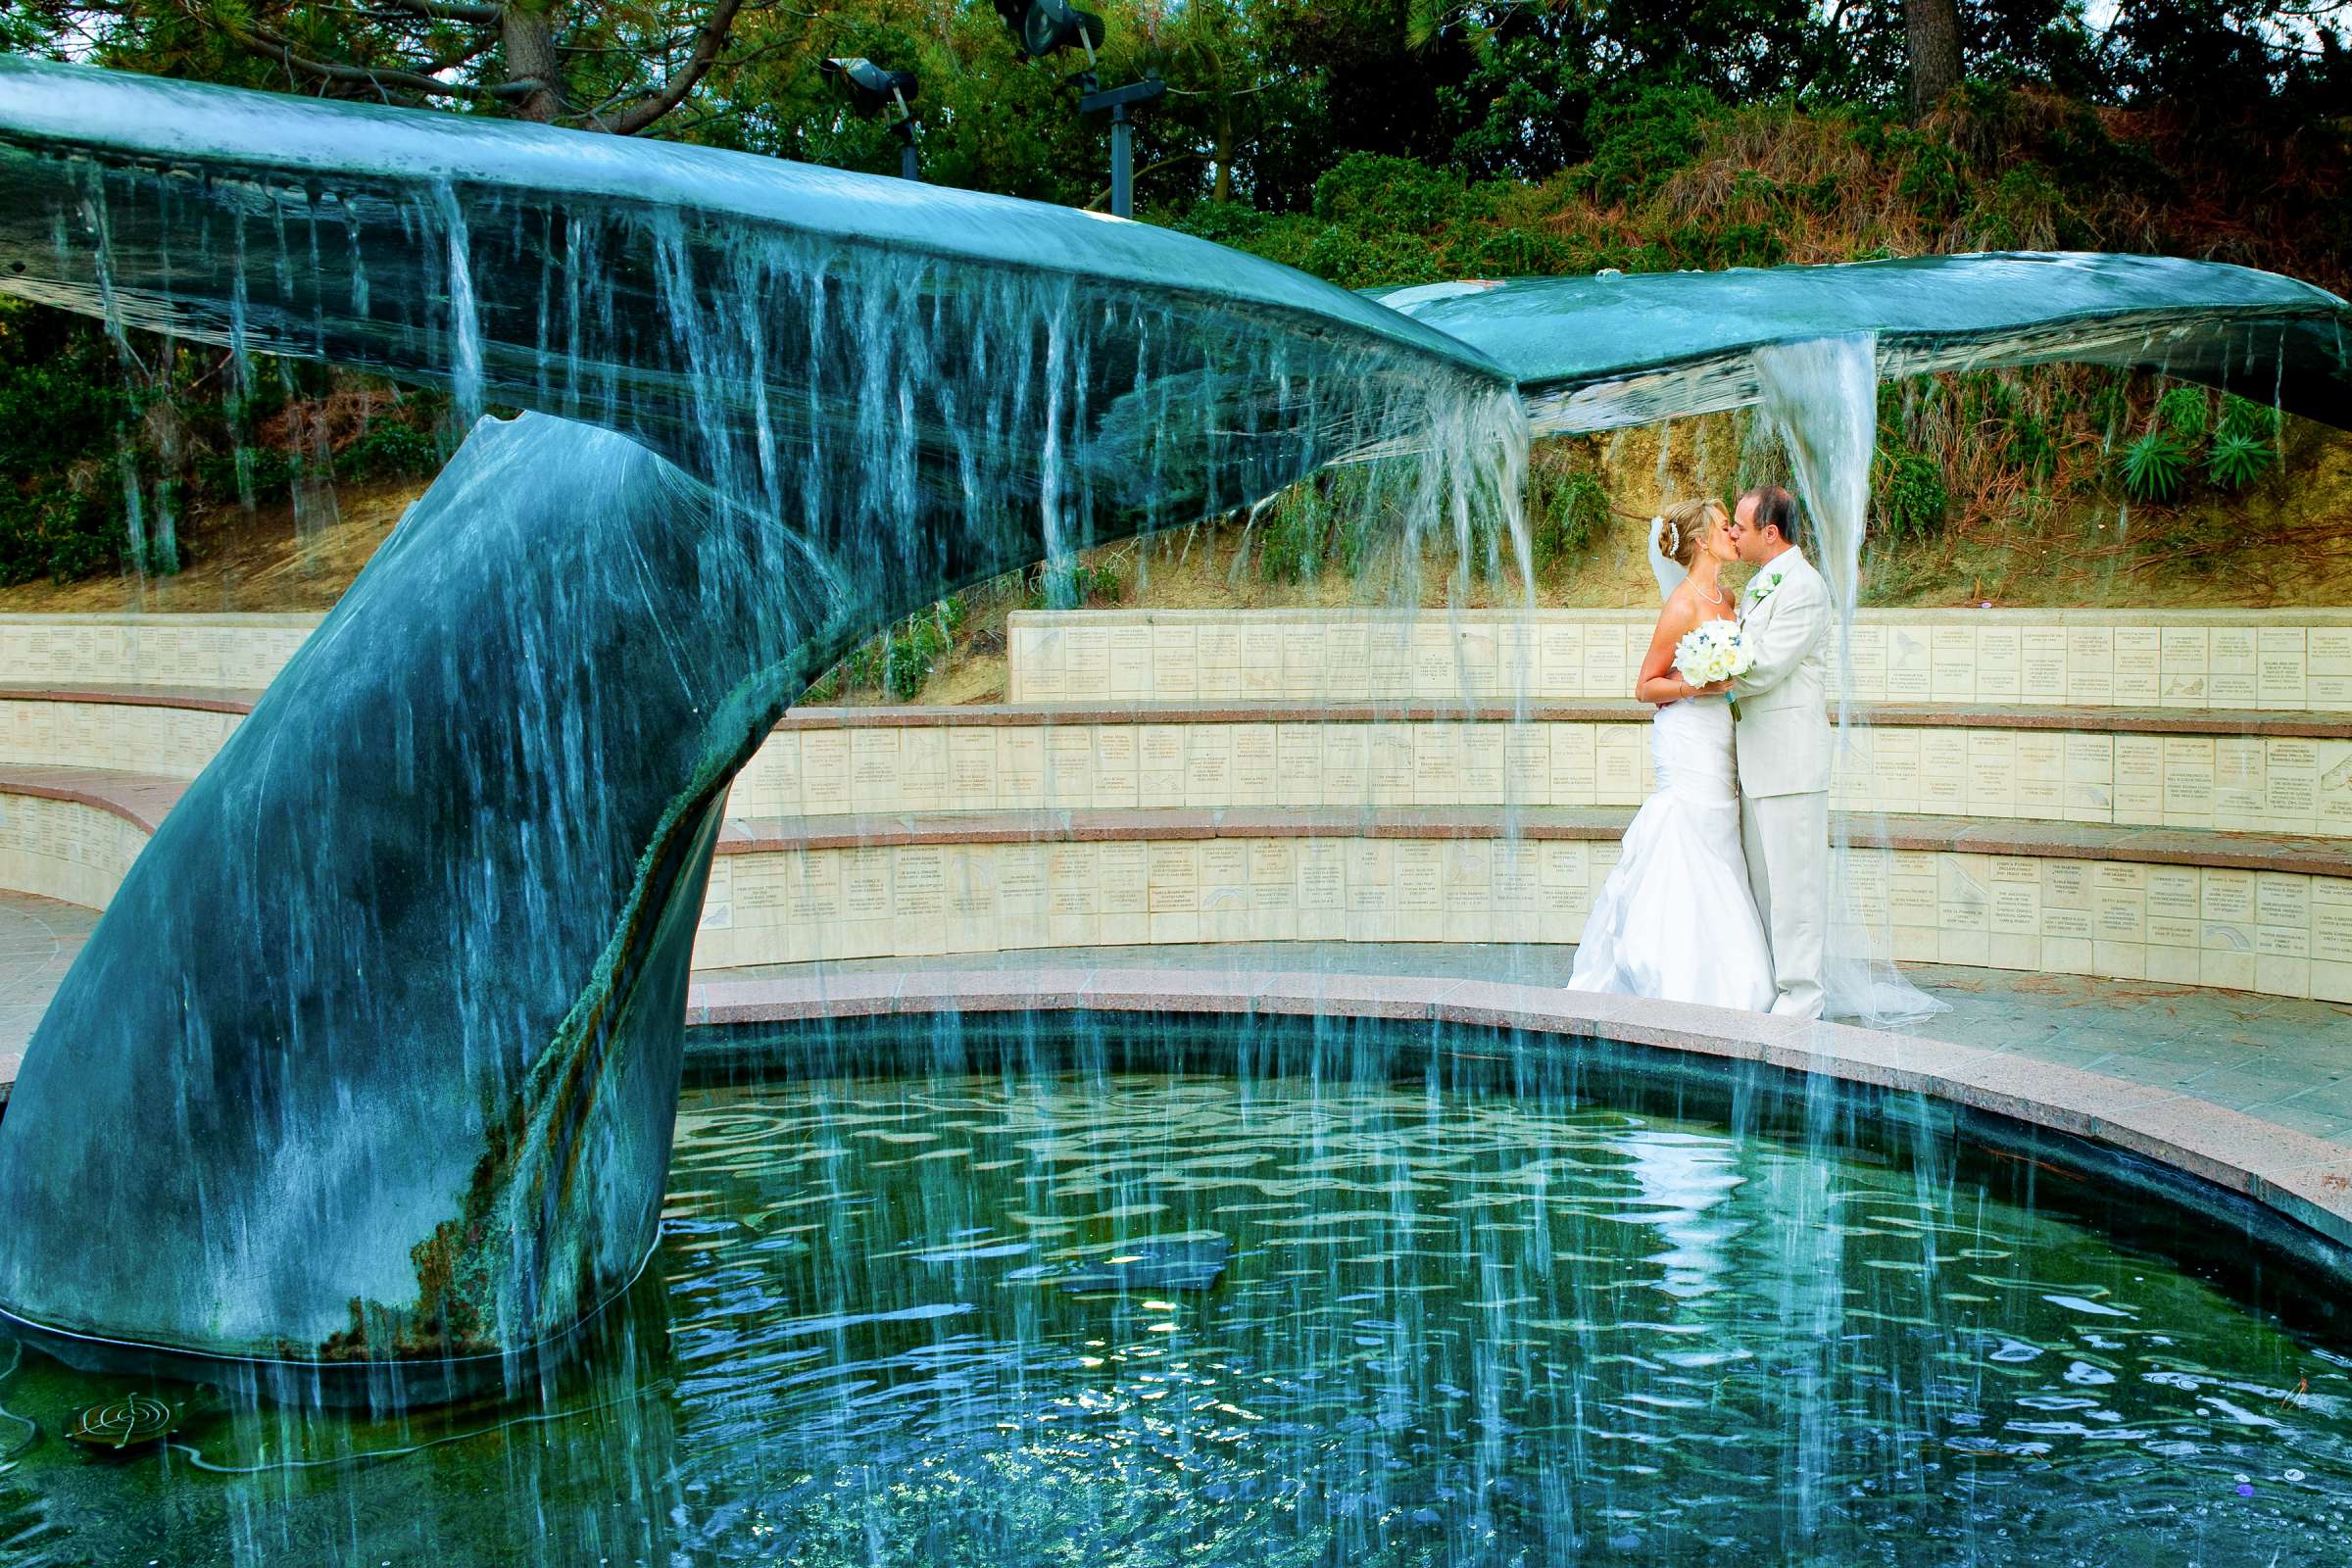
211, 700
2289, 616
1957, 835
2306, 1179
143, 799
304, 619
2222, 721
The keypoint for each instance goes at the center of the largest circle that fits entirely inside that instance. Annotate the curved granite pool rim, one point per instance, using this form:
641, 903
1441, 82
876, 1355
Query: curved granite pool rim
2285, 1194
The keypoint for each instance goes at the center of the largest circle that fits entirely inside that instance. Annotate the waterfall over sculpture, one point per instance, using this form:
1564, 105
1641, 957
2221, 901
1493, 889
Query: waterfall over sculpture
394, 998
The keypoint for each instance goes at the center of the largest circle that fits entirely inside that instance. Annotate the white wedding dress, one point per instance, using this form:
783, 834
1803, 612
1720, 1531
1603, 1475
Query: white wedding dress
1676, 920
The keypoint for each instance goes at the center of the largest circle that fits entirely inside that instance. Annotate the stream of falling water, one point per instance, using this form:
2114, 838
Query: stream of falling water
1820, 396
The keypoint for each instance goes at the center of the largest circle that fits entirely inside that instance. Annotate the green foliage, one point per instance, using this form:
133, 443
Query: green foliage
83, 426
1369, 193
1641, 139
1749, 245
1522, 109
2031, 448
1567, 511
390, 450
2024, 210
913, 652
1934, 179
58, 532
2023, 440
2256, 422
1326, 518
262, 473
900, 660
1294, 532
2110, 405
2185, 411
2155, 465
1068, 584
1912, 500
62, 410
2237, 461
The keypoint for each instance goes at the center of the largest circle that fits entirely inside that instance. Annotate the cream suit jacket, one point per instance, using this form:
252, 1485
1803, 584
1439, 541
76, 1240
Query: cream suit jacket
1782, 736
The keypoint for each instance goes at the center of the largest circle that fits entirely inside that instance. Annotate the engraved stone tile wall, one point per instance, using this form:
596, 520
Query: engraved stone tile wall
2283, 660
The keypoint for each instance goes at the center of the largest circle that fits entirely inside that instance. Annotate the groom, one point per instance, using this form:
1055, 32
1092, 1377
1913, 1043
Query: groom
1782, 743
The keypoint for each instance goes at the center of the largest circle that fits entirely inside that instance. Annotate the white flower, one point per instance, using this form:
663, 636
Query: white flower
1713, 651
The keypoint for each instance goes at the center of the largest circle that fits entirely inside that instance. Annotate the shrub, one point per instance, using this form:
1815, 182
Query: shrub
390, 450
915, 648
1567, 513
2024, 210
2242, 417
58, 532
1374, 193
2185, 411
1226, 222
2027, 446
225, 475
1933, 180
1912, 500
2111, 402
1355, 260
1639, 141
1747, 245
1066, 584
2155, 466
2237, 461
1292, 533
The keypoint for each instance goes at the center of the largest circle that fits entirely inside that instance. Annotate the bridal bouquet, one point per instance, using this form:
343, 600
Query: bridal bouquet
1713, 651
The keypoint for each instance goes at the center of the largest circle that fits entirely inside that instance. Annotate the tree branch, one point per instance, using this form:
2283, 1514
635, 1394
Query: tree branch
472, 14
358, 75
707, 42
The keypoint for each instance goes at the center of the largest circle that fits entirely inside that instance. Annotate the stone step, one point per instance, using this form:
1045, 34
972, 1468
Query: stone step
2225, 771
2268, 912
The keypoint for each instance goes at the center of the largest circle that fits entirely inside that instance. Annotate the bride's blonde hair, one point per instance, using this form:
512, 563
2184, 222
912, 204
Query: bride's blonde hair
1685, 527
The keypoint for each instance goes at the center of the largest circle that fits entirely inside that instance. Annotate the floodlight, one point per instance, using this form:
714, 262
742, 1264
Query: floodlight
1042, 26
874, 90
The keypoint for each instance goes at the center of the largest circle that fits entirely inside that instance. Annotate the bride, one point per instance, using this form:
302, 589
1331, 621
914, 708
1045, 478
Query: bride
1676, 920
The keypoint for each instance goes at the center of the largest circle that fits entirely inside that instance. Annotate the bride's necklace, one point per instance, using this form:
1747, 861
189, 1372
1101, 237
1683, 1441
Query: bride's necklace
1712, 599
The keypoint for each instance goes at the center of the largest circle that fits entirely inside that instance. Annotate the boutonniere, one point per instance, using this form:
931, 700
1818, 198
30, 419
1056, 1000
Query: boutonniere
1761, 590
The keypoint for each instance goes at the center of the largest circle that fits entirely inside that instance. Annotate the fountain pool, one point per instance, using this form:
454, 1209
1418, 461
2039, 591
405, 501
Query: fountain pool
1116, 1288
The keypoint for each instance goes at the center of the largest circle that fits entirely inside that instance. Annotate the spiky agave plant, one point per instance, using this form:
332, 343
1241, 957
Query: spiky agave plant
2155, 466
2237, 461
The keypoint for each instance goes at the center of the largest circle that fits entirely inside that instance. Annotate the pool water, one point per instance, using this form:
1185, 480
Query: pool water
1427, 1299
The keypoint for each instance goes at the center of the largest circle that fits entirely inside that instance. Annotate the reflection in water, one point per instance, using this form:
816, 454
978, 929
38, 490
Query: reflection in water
1456, 1325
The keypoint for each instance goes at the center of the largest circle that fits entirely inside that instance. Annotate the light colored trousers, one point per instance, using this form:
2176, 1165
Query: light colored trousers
1786, 838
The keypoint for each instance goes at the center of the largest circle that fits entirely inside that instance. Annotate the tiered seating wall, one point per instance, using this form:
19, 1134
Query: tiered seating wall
2139, 794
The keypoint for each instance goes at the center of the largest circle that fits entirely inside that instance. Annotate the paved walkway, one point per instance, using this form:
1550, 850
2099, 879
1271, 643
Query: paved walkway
2283, 1061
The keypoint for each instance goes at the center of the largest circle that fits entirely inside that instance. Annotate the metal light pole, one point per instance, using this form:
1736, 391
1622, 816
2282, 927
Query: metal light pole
1042, 26
1119, 100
